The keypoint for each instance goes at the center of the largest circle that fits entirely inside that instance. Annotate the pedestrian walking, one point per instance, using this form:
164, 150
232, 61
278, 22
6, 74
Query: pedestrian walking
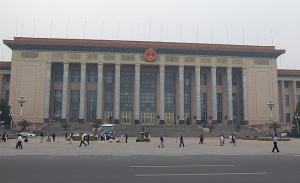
161, 145
66, 135
233, 140
82, 140
275, 144
42, 137
3, 138
19, 142
88, 138
222, 140
181, 141
201, 139
126, 137
71, 138
53, 137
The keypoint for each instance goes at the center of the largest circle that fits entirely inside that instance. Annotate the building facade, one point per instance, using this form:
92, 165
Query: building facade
136, 82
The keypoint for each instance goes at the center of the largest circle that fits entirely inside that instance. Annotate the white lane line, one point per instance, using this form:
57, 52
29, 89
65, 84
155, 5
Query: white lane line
178, 166
201, 174
296, 155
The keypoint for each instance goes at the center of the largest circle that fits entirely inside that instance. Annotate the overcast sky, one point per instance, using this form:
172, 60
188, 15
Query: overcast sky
262, 22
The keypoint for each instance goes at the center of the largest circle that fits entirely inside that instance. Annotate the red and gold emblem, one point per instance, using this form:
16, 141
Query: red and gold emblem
150, 55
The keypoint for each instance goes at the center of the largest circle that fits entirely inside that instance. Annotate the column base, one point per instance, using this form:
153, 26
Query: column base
81, 120
230, 122
99, 121
116, 121
181, 122
46, 120
136, 121
161, 121
64, 120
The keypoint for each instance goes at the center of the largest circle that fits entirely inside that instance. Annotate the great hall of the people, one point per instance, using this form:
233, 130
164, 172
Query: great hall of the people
141, 82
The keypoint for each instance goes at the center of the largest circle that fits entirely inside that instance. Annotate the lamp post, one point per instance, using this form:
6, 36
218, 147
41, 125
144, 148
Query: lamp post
21, 101
297, 117
271, 104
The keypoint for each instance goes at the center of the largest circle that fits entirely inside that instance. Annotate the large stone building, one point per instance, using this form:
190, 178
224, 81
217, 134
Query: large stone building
138, 82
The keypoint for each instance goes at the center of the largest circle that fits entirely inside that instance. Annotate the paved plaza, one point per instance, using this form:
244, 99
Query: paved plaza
192, 147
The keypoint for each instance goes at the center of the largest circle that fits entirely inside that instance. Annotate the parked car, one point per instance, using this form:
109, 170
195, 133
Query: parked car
26, 134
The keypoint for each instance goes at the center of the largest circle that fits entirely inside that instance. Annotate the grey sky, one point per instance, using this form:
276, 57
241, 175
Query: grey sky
265, 22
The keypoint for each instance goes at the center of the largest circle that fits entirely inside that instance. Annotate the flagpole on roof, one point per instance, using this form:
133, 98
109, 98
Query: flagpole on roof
138, 31
33, 27
68, 22
161, 32
84, 29
150, 29
197, 33
50, 28
16, 34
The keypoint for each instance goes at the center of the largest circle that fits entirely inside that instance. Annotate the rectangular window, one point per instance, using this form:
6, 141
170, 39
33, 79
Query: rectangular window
148, 91
75, 75
234, 79
57, 105
219, 79
91, 106
286, 84
7, 78
297, 84
298, 98
170, 92
75, 101
203, 79
108, 90
204, 107
92, 76
234, 106
287, 117
126, 91
287, 100
7, 95
58, 74
219, 107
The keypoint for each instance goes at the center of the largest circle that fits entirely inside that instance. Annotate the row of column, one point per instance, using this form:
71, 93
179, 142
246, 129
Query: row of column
137, 93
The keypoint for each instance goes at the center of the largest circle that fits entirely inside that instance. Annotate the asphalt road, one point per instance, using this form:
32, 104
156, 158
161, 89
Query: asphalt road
143, 169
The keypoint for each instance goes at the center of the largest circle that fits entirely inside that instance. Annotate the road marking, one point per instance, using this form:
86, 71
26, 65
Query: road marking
201, 174
296, 155
179, 166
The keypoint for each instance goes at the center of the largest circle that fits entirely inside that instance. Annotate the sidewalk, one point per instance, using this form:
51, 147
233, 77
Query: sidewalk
210, 147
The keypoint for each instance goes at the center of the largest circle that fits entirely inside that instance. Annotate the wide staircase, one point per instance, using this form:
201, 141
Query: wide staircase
157, 130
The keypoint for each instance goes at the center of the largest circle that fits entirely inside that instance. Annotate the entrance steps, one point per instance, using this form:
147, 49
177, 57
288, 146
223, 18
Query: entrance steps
159, 129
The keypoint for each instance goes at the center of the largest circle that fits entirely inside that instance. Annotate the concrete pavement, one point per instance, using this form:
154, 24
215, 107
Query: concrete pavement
210, 147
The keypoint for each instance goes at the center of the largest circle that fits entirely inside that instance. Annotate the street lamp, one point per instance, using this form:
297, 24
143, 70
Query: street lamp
21, 101
297, 117
271, 106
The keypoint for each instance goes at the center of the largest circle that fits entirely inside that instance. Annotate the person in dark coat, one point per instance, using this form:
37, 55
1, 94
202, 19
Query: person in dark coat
201, 139
88, 137
82, 140
181, 141
161, 142
42, 136
126, 138
53, 137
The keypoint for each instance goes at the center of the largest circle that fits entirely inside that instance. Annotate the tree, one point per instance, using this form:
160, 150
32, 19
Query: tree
24, 124
274, 126
5, 115
296, 120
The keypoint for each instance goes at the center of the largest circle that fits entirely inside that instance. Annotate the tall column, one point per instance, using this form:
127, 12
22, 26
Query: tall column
229, 93
47, 92
99, 92
137, 94
294, 97
198, 94
245, 95
162, 94
214, 93
282, 101
181, 94
82, 93
65, 92
117, 94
